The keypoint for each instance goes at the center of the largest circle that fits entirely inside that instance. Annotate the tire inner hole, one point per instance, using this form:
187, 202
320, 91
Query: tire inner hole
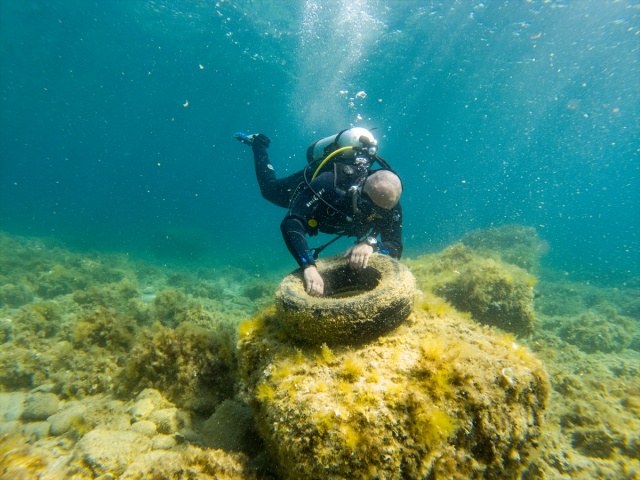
343, 282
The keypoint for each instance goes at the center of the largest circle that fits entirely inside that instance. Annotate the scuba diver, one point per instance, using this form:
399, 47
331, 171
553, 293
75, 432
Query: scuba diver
339, 193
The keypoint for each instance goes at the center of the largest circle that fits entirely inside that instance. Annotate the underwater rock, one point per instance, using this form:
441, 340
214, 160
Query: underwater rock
42, 319
192, 366
632, 308
493, 292
11, 427
20, 459
39, 406
196, 287
114, 295
168, 420
259, 290
11, 405
110, 451
148, 401
37, 430
101, 327
141, 409
594, 442
103, 411
6, 329
438, 397
230, 428
191, 462
151, 414
168, 306
14, 296
59, 280
163, 442
593, 419
515, 244
559, 299
145, 427
592, 332
67, 418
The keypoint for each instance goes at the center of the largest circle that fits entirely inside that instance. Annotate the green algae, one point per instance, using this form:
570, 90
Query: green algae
194, 367
92, 334
491, 291
13, 296
419, 397
515, 244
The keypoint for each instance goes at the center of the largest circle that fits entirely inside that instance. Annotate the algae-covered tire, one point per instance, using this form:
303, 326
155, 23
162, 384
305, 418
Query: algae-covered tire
358, 305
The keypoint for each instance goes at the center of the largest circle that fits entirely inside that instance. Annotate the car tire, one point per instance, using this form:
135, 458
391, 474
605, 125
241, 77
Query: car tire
358, 305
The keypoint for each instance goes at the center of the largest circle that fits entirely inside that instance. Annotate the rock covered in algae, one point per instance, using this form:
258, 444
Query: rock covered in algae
115, 440
190, 462
493, 292
437, 398
516, 244
110, 451
192, 366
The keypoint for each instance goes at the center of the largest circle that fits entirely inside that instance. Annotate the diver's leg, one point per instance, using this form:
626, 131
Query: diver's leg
277, 191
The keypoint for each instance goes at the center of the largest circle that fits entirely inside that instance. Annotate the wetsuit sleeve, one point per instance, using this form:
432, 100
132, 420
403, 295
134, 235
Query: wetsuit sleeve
295, 225
294, 233
391, 233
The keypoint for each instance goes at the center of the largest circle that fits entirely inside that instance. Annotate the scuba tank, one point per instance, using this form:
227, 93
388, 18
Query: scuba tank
353, 137
353, 146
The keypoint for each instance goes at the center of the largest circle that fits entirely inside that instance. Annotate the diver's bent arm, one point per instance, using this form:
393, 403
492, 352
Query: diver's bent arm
293, 233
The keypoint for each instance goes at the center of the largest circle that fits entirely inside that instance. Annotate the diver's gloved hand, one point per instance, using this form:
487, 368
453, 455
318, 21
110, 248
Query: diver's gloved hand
255, 139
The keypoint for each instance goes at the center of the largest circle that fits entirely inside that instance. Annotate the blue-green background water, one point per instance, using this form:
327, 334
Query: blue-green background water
498, 112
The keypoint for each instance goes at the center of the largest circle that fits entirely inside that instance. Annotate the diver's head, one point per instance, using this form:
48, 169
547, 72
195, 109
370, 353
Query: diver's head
384, 188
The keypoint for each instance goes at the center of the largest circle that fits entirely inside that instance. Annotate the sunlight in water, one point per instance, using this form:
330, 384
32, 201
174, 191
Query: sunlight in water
335, 43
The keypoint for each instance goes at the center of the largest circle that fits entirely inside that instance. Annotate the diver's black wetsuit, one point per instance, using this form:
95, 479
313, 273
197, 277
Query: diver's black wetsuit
323, 206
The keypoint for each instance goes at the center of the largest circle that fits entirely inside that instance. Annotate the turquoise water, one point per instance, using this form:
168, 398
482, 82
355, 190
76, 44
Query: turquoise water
134, 243
117, 120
